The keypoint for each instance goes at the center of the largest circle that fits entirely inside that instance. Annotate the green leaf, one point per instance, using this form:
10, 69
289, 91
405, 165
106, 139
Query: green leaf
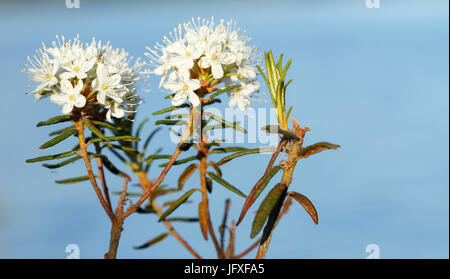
147, 209
153, 241
108, 125
73, 180
273, 216
228, 149
223, 90
63, 163
170, 122
117, 138
54, 120
170, 109
149, 138
51, 157
179, 162
256, 191
57, 139
275, 129
121, 147
108, 164
226, 123
242, 153
128, 194
226, 184
176, 204
277, 193
141, 125
218, 171
181, 219
266, 179
62, 131
157, 156
307, 205
96, 131
316, 148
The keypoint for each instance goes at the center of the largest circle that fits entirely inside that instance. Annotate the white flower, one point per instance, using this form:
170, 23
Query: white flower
78, 67
44, 73
100, 69
240, 96
202, 33
69, 97
184, 87
183, 55
214, 57
106, 85
211, 54
115, 110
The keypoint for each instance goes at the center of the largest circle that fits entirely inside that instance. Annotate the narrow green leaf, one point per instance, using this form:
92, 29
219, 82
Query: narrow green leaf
141, 125
179, 162
316, 148
96, 131
277, 193
157, 156
226, 184
62, 131
176, 204
169, 109
170, 122
73, 180
256, 191
223, 90
266, 179
226, 123
121, 147
218, 170
128, 194
273, 216
108, 125
63, 163
149, 138
275, 129
228, 149
242, 153
108, 164
117, 138
182, 219
57, 139
51, 157
153, 241
54, 120
289, 112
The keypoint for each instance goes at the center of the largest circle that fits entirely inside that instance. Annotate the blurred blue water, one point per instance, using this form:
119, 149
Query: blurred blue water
372, 80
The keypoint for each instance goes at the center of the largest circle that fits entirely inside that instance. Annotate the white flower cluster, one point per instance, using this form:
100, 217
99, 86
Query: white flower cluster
200, 54
77, 75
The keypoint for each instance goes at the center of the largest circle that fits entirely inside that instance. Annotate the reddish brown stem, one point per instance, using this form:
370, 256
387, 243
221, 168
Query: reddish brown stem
87, 161
145, 184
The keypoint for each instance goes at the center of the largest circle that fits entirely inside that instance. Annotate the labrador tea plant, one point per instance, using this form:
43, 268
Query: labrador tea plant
198, 63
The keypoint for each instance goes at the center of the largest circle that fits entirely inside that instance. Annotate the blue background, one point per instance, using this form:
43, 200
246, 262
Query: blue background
372, 80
